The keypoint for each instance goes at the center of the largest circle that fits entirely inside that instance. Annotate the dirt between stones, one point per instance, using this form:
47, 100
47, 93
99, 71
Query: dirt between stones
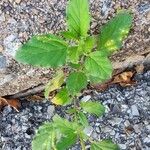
19, 21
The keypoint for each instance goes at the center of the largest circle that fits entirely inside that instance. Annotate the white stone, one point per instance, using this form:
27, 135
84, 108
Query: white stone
134, 110
86, 98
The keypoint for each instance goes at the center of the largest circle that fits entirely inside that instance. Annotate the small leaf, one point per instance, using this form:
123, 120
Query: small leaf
73, 54
94, 108
78, 18
75, 66
55, 83
43, 50
76, 82
113, 33
61, 98
98, 68
104, 145
89, 44
71, 110
83, 119
42, 140
69, 35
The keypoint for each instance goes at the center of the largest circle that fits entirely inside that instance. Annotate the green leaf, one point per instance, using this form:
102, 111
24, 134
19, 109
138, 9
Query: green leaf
89, 44
69, 35
83, 119
75, 66
64, 125
113, 33
54, 83
43, 50
42, 140
71, 111
98, 68
104, 145
73, 54
76, 82
67, 140
94, 108
61, 98
78, 17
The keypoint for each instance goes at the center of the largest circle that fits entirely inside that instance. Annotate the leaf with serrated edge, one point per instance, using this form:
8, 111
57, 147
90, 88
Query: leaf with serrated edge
98, 68
104, 145
67, 140
73, 54
89, 44
75, 82
78, 18
68, 35
94, 108
54, 83
83, 119
44, 51
113, 33
42, 140
61, 98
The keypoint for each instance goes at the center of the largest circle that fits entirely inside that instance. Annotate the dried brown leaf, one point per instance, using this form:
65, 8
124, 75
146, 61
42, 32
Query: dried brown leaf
11, 102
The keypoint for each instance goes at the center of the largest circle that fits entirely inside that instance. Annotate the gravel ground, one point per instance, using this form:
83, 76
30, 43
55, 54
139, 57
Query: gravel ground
127, 118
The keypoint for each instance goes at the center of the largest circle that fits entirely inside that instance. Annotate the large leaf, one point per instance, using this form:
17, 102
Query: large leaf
54, 83
43, 50
61, 98
93, 107
78, 18
68, 132
98, 67
42, 140
104, 145
76, 82
67, 140
63, 124
113, 33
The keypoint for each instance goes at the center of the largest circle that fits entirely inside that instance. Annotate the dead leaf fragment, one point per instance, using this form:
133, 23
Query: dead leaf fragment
14, 103
124, 79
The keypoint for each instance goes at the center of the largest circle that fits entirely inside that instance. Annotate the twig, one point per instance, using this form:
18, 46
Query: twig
27, 92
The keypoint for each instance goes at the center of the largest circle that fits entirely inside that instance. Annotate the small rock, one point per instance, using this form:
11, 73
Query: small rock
18, 1
88, 130
2, 62
115, 121
7, 110
137, 128
86, 98
122, 146
50, 111
134, 110
27, 136
147, 141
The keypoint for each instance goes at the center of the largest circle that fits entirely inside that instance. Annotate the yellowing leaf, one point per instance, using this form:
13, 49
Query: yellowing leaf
61, 98
54, 84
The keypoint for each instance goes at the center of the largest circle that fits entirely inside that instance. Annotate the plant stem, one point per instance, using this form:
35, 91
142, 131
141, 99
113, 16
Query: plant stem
76, 119
82, 143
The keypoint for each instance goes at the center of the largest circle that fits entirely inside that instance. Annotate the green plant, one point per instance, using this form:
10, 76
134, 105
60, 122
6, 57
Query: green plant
86, 58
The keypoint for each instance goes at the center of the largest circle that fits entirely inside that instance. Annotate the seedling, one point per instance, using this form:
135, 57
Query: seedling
86, 58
